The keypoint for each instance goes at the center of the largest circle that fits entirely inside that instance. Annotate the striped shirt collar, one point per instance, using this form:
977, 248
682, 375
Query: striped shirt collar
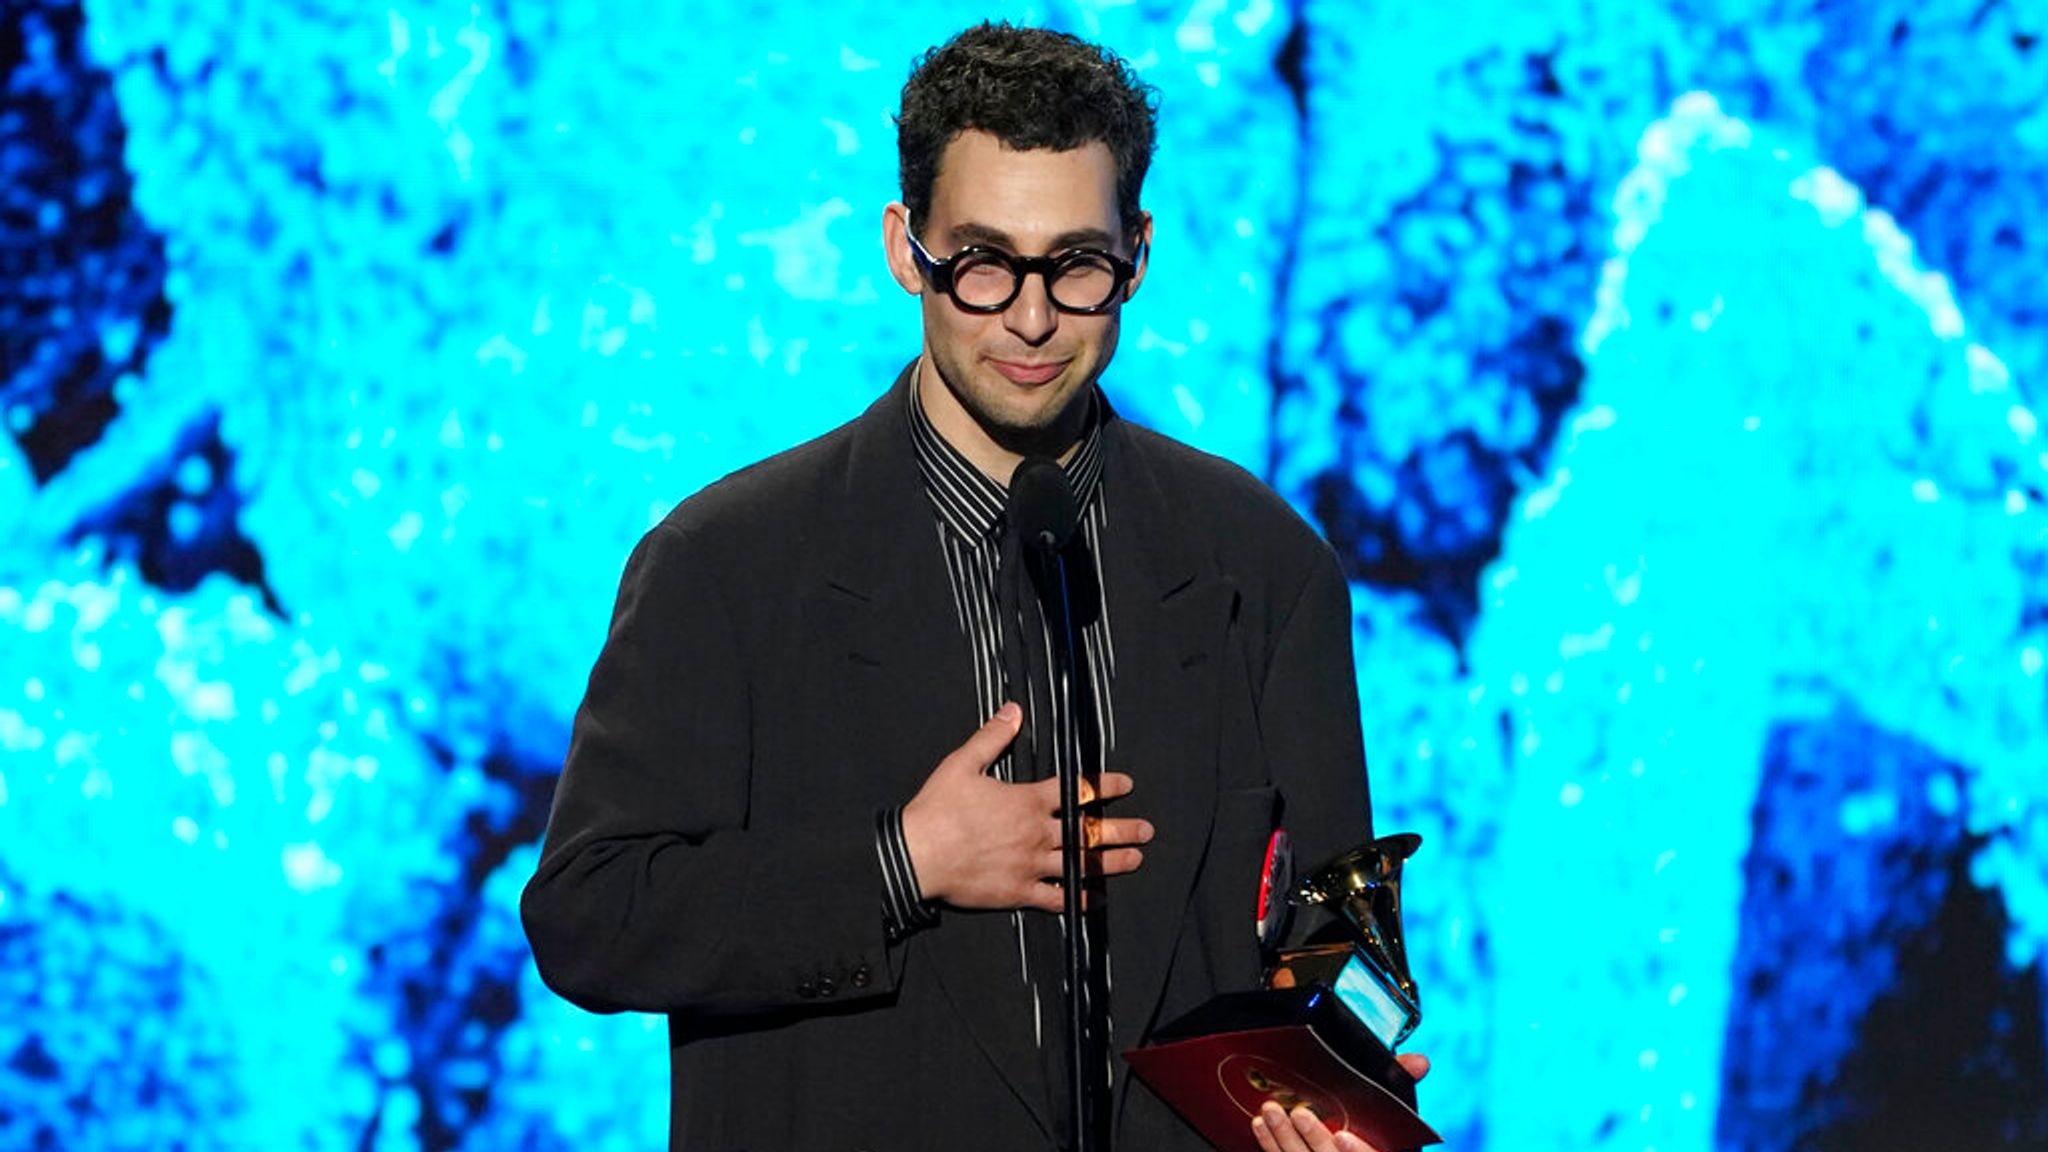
966, 500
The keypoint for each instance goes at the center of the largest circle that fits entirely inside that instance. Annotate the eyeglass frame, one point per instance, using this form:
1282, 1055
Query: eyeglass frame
940, 272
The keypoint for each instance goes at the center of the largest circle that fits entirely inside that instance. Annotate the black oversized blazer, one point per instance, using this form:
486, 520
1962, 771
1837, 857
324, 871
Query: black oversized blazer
784, 660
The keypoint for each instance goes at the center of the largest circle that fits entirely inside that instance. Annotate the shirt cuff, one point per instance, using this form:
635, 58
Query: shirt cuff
904, 908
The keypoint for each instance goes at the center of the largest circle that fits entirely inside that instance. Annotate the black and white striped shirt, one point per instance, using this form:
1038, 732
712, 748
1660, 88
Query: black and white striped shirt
968, 512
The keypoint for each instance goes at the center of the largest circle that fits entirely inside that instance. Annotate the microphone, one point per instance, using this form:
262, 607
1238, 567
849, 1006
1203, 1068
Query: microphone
1042, 507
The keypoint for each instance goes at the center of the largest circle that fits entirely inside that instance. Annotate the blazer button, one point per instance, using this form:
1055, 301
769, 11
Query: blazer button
826, 987
861, 976
805, 990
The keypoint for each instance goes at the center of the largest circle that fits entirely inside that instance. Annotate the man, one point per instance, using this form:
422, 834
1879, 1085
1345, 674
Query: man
793, 818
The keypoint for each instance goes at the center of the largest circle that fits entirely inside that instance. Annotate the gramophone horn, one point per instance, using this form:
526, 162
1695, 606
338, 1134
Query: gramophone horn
1364, 886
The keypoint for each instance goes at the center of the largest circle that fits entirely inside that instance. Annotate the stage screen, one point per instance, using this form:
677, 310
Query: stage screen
1667, 375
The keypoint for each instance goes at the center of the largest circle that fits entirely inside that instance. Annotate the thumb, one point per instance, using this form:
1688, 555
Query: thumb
989, 740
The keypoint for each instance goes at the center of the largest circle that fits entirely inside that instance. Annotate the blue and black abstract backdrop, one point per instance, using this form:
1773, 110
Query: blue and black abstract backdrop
1667, 373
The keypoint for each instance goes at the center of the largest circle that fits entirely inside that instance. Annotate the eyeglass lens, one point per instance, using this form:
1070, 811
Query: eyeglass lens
1078, 280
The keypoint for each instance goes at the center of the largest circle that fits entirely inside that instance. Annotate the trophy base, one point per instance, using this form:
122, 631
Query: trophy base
1220, 1063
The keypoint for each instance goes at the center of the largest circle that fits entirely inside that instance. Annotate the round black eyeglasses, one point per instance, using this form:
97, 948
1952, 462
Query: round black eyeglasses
981, 279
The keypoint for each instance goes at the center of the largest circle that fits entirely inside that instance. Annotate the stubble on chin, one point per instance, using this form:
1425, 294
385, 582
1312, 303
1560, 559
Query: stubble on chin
1037, 429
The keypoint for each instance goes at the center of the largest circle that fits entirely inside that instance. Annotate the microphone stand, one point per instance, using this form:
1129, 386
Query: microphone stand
1044, 515
1083, 1121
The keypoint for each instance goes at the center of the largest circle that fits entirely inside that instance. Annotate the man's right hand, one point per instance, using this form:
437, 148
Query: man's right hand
976, 842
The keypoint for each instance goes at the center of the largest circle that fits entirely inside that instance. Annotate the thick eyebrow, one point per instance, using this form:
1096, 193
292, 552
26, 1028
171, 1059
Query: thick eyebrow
969, 234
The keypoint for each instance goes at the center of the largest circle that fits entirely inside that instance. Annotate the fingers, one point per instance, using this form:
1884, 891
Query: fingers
1415, 1063
988, 741
1108, 786
1262, 1131
1046, 896
1118, 861
1111, 846
1100, 832
1278, 1130
1094, 789
1105, 833
1108, 862
1309, 1127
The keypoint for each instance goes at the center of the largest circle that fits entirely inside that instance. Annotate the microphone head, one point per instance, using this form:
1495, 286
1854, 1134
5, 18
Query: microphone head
1042, 507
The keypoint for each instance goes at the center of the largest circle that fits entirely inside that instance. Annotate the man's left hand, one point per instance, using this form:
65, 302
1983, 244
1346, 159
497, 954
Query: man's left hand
1277, 1130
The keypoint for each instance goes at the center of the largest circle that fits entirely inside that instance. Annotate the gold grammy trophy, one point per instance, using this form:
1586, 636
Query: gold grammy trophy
1322, 1031
1370, 971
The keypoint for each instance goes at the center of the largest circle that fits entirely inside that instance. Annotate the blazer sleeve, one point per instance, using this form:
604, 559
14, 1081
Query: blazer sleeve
653, 893
1309, 724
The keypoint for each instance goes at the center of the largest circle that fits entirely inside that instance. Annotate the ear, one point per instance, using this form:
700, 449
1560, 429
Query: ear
1141, 254
896, 248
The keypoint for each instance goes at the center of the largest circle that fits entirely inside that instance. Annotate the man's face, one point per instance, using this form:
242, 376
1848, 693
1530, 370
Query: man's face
1008, 382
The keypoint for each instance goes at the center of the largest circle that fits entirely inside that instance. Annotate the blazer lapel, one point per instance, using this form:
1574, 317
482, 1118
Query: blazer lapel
1169, 610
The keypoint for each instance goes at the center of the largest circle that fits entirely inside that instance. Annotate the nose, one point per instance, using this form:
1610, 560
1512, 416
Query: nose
1031, 316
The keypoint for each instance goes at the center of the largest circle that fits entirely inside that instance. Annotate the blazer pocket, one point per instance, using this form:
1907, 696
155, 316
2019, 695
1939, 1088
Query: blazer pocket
1245, 819
1230, 885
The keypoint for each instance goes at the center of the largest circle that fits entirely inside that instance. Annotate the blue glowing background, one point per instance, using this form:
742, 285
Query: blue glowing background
1668, 374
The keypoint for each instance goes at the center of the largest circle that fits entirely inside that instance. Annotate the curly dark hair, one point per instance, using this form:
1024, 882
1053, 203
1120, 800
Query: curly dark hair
1030, 88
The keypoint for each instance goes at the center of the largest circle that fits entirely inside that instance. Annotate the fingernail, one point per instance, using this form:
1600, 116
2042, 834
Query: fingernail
1010, 712
1145, 831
